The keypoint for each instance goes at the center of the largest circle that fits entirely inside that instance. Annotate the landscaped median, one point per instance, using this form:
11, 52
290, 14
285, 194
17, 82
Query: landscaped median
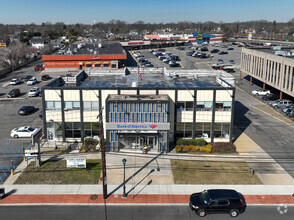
56, 172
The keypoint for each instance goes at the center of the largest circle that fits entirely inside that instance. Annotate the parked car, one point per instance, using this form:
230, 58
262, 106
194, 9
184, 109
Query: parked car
270, 96
217, 201
13, 93
286, 108
167, 60
222, 52
290, 114
39, 67
189, 53
32, 81
232, 61
147, 65
15, 81
281, 103
220, 61
260, 92
181, 48
34, 92
25, 110
174, 64
23, 132
214, 51
26, 78
176, 58
230, 48
45, 77
203, 49
204, 56
151, 51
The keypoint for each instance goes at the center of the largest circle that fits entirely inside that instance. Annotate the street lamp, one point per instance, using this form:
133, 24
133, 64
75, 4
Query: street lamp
124, 195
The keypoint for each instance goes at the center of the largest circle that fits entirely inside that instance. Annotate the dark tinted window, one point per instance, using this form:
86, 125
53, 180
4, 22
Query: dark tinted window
223, 202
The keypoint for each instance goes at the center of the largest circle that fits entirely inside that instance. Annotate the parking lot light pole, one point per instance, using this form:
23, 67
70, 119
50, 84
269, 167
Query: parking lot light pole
124, 195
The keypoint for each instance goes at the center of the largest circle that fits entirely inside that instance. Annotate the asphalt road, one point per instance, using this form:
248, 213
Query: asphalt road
135, 212
11, 149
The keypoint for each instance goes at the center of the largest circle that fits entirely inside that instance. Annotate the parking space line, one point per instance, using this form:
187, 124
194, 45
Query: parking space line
1, 179
8, 152
19, 151
13, 150
3, 152
3, 171
8, 168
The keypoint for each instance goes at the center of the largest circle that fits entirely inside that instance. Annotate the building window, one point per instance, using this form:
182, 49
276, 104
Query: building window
91, 129
53, 105
221, 130
203, 130
106, 65
204, 106
184, 130
113, 65
89, 65
72, 129
71, 105
97, 65
91, 106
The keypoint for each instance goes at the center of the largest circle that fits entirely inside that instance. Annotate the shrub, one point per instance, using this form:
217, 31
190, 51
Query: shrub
178, 148
195, 142
203, 149
84, 149
187, 148
208, 150
209, 146
224, 147
91, 141
195, 148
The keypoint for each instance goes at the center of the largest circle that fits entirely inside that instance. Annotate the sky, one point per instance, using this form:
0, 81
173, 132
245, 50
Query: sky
149, 11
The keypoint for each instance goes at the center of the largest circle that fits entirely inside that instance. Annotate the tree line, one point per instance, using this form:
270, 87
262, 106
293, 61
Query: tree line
121, 30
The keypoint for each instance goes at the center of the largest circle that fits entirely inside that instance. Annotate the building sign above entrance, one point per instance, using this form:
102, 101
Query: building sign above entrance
138, 126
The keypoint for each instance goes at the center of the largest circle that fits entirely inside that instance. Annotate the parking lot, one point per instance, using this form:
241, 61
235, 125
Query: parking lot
189, 62
11, 149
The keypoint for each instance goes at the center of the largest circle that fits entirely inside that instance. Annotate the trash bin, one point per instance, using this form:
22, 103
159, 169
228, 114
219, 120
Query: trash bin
2, 193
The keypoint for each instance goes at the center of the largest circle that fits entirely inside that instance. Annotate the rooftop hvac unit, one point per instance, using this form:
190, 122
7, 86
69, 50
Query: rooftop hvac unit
100, 45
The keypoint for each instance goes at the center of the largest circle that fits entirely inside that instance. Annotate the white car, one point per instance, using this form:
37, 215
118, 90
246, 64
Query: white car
15, 81
261, 92
23, 132
32, 81
34, 92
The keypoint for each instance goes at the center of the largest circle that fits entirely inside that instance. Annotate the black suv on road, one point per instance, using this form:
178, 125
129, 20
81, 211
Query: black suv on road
217, 201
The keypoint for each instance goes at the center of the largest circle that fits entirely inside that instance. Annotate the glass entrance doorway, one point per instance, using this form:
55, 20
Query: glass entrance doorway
137, 141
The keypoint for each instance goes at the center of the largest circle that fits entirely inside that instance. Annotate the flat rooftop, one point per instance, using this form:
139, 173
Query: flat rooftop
170, 80
269, 50
95, 48
138, 97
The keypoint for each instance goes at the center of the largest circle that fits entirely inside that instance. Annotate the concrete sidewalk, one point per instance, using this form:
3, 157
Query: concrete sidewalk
141, 194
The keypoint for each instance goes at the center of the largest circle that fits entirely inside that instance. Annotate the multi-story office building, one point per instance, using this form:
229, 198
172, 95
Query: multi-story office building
156, 110
270, 67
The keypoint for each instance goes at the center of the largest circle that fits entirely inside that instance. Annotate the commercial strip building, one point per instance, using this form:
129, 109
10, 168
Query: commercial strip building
266, 65
194, 38
156, 110
87, 55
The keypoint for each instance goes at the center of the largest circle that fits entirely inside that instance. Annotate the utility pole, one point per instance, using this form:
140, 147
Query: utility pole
103, 159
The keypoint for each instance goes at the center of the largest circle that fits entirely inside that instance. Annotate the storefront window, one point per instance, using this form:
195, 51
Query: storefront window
203, 130
91, 129
184, 130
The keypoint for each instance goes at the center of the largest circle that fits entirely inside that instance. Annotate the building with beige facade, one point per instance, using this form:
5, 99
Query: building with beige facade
272, 66
156, 110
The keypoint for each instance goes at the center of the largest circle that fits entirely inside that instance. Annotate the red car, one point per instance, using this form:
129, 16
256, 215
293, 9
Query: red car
39, 67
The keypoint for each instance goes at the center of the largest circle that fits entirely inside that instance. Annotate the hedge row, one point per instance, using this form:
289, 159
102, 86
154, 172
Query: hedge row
207, 148
195, 142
